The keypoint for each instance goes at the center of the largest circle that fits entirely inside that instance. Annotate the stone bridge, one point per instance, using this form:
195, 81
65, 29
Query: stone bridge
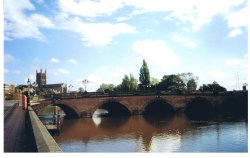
134, 104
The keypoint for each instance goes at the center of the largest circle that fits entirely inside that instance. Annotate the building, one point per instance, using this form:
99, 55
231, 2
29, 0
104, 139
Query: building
41, 80
56, 88
9, 89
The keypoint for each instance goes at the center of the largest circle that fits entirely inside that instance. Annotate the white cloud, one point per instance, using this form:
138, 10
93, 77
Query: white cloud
8, 58
93, 34
123, 19
195, 12
156, 53
216, 75
104, 74
186, 42
63, 71
18, 25
54, 60
238, 18
41, 21
233, 62
234, 33
73, 61
90, 8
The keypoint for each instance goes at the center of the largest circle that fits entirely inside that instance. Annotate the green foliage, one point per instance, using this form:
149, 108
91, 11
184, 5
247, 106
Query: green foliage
191, 85
129, 83
133, 83
20, 86
154, 83
214, 87
144, 77
81, 90
189, 80
171, 83
106, 87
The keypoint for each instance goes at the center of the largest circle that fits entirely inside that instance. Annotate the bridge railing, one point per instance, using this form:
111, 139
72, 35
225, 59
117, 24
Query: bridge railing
132, 93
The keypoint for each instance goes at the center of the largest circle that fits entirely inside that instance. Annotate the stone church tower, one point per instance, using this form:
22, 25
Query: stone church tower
41, 79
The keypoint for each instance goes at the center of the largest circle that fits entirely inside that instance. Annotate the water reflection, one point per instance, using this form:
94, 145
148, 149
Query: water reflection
147, 134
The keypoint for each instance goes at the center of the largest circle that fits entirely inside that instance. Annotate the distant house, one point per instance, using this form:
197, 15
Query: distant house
9, 89
41, 80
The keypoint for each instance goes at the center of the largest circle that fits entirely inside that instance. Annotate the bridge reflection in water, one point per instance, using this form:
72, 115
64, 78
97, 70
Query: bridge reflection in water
147, 134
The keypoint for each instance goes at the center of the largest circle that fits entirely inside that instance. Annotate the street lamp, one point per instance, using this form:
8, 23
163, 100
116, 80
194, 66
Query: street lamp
28, 98
70, 86
85, 81
35, 85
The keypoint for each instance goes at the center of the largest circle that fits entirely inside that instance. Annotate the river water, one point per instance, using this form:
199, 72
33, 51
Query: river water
150, 134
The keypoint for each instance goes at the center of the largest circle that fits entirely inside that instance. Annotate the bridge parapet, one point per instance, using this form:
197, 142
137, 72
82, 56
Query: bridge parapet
43, 140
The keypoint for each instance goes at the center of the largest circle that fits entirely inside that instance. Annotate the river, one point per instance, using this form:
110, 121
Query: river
151, 134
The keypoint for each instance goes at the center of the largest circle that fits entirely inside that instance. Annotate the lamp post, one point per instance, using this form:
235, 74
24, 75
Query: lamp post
85, 81
28, 98
70, 86
35, 85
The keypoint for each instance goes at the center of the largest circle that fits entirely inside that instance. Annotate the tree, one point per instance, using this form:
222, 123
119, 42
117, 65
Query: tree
189, 77
191, 85
125, 83
171, 83
133, 83
106, 87
144, 77
128, 83
81, 90
154, 83
214, 87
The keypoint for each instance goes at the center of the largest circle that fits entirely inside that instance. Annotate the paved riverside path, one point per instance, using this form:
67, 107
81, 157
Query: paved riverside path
15, 138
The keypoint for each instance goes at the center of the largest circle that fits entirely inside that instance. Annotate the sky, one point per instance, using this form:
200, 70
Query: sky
103, 40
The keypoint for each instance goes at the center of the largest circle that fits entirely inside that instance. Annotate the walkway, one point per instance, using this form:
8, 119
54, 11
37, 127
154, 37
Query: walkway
15, 139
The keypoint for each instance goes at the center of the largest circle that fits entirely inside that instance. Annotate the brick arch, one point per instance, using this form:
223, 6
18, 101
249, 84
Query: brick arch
70, 112
105, 105
149, 105
199, 107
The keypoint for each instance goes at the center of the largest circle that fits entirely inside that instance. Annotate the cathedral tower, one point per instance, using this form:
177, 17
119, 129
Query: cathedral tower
41, 79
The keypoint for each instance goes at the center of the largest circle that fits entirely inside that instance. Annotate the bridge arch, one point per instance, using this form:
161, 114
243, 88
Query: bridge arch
114, 108
159, 107
199, 108
69, 111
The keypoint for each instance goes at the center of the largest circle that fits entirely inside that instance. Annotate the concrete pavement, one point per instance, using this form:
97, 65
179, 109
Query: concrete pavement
15, 137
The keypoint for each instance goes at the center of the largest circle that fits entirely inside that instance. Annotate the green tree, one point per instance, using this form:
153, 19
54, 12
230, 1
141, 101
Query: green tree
171, 83
128, 83
154, 83
186, 77
214, 87
106, 87
191, 85
81, 90
133, 83
125, 85
144, 75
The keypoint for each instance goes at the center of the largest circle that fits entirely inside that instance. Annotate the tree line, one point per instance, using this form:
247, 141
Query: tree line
174, 83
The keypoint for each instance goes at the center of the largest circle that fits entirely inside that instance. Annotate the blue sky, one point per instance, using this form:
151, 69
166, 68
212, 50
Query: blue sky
102, 40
